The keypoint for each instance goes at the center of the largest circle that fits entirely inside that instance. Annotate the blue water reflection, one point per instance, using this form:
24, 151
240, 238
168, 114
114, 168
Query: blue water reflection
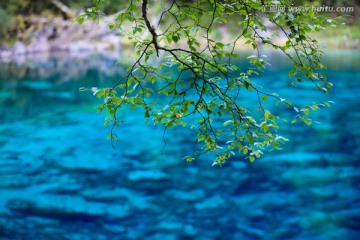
61, 179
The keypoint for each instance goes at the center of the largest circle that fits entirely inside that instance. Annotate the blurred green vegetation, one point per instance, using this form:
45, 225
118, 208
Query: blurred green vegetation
15, 7
12, 14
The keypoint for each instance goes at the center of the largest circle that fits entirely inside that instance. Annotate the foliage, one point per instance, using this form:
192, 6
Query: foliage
5, 23
12, 12
209, 85
14, 7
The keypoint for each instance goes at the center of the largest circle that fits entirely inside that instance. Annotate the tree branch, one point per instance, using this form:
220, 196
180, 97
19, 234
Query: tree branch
149, 27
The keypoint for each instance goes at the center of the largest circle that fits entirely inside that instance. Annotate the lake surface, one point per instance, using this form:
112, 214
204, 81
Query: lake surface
61, 179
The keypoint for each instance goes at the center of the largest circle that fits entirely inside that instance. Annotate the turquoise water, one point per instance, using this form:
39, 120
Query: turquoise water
61, 179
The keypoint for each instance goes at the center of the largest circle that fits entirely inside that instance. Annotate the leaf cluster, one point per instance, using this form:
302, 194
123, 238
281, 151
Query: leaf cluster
209, 86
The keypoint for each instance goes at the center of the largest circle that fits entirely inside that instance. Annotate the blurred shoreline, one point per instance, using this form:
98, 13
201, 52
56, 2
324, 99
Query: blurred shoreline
46, 38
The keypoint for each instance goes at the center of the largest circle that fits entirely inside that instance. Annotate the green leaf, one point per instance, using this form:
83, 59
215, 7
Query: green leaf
111, 26
329, 85
228, 122
219, 45
175, 38
305, 120
80, 20
189, 159
293, 72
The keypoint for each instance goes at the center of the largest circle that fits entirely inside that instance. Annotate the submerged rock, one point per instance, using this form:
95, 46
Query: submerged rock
211, 203
132, 198
67, 209
146, 175
169, 226
251, 232
113, 228
195, 195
